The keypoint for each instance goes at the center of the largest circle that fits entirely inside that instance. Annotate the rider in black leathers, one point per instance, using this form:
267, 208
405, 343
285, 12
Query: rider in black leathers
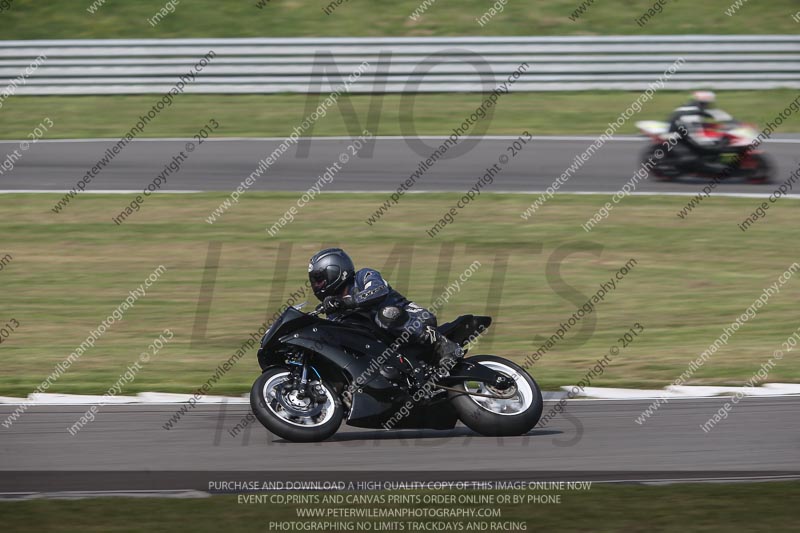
340, 287
687, 122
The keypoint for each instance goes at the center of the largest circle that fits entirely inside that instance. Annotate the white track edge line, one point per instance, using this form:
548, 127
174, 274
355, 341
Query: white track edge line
630, 138
431, 191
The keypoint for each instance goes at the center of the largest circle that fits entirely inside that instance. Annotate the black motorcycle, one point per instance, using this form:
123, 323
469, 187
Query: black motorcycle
317, 373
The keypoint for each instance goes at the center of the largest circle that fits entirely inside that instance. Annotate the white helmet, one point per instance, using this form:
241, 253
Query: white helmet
704, 97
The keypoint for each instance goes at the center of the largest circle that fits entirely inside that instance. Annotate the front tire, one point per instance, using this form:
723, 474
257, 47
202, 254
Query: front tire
499, 418
664, 169
269, 410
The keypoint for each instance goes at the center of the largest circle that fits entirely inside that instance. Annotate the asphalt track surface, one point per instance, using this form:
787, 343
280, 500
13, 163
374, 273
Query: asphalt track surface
222, 164
596, 440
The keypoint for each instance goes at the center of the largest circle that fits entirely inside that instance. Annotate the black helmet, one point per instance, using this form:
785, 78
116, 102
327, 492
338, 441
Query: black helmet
328, 271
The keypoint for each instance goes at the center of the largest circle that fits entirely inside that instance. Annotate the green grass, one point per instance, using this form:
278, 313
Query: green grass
701, 508
69, 271
433, 114
57, 19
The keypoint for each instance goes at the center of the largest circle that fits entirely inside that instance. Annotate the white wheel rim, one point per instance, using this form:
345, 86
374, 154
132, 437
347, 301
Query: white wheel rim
519, 403
270, 395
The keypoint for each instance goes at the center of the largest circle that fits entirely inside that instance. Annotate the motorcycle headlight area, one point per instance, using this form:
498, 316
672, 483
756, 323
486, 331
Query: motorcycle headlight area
269, 332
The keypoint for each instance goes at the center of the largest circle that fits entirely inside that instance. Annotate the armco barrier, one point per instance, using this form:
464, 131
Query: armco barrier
450, 64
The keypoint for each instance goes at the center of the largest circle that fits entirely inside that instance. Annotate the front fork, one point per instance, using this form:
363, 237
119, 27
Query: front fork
304, 389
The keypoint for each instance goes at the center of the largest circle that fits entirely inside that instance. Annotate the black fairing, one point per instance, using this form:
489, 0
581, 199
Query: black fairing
465, 327
350, 350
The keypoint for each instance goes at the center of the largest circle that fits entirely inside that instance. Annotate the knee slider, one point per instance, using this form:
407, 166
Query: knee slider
390, 316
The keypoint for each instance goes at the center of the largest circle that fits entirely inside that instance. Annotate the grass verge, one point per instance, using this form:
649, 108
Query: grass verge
64, 19
70, 271
673, 508
424, 114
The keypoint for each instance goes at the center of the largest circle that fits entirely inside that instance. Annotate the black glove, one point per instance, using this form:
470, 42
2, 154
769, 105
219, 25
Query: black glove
334, 304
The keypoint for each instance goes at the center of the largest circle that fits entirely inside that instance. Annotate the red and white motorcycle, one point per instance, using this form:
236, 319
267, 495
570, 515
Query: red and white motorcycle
734, 155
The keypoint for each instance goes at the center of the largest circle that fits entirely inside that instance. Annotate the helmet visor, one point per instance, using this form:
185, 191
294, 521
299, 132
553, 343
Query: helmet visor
322, 278
318, 280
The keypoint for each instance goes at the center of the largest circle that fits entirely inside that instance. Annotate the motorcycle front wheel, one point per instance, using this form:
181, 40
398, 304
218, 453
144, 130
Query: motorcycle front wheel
286, 414
516, 413
664, 168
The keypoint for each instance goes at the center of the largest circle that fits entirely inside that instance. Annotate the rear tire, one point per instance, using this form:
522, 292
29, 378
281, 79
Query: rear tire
316, 430
764, 170
486, 416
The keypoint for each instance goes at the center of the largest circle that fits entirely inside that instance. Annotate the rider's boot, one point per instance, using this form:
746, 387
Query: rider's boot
448, 352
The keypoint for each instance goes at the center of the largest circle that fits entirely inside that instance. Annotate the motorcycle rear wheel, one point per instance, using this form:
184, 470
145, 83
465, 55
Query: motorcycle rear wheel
499, 417
764, 170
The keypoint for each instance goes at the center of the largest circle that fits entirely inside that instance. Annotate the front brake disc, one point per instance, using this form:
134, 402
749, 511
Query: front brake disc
293, 409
